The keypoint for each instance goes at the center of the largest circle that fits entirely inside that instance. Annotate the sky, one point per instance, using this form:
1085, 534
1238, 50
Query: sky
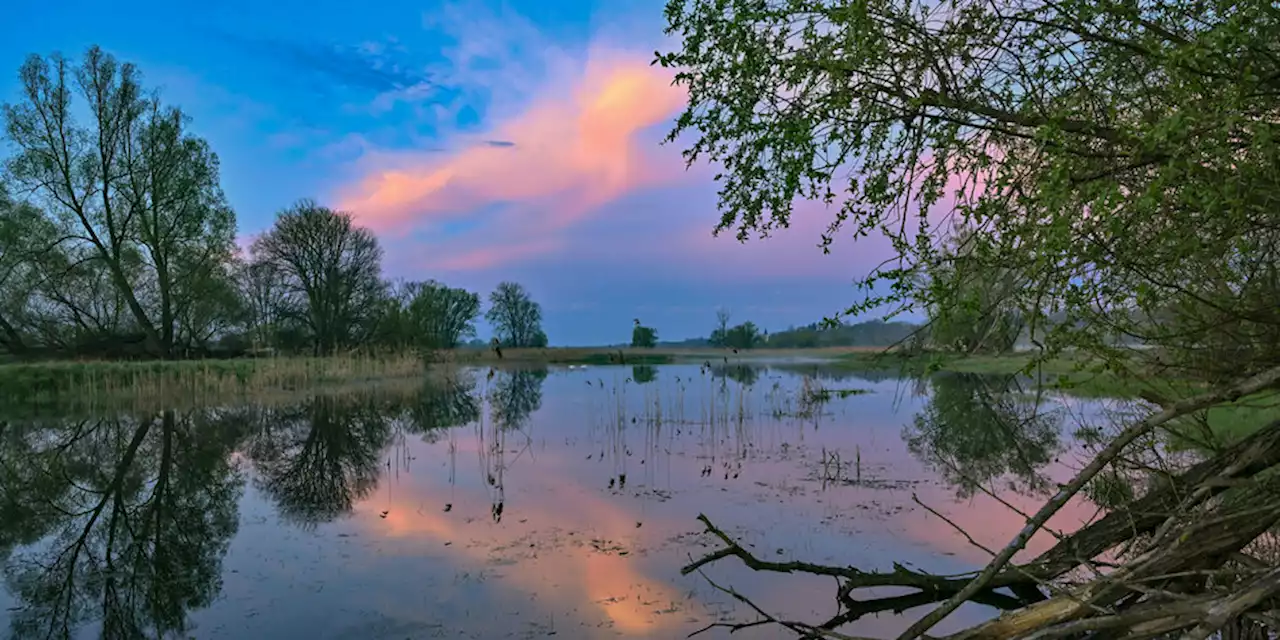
481, 141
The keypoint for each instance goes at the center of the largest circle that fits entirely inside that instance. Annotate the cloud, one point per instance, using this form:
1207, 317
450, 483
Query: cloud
566, 154
563, 178
376, 67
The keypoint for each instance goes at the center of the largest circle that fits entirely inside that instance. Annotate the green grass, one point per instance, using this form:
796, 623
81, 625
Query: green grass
1226, 424
1073, 376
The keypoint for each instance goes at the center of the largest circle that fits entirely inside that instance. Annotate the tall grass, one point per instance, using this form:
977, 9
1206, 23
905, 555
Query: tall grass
107, 382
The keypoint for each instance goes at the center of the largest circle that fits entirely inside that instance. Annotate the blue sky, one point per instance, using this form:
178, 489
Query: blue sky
481, 141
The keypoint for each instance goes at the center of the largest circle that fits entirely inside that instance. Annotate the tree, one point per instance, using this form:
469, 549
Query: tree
130, 190
261, 293
23, 230
441, 317
970, 309
720, 335
644, 337
516, 318
743, 336
330, 271
1120, 157
1077, 170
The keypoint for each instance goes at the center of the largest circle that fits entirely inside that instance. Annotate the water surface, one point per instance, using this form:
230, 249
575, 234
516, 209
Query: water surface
517, 503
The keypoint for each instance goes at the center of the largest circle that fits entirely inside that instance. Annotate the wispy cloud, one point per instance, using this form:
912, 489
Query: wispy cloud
546, 159
372, 66
564, 177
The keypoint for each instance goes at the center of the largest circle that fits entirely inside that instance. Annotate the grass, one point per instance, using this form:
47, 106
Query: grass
1073, 376
92, 382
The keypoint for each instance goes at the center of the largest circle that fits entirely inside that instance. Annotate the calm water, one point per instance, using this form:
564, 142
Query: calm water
520, 504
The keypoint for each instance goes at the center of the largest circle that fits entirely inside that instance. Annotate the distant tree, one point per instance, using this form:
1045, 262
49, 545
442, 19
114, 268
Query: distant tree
643, 337
743, 336
516, 318
330, 271
720, 335
441, 317
394, 329
874, 333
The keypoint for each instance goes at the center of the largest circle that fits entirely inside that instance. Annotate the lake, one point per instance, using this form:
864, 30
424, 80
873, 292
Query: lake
519, 503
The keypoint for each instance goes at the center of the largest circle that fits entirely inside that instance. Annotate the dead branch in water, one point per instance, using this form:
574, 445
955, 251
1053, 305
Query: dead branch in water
1186, 573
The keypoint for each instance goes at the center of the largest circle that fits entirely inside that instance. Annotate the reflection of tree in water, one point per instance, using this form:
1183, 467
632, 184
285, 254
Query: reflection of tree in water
515, 395
828, 373
976, 429
442, 403
743, 374
318, 459
135, 517
644, 374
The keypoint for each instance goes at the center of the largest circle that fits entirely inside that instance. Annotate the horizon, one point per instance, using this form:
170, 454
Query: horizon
481, 143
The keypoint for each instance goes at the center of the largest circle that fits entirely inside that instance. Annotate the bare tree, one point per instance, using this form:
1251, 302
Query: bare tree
516, 318
330, 270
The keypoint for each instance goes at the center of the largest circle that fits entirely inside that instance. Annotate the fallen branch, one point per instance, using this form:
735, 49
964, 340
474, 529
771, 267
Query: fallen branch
805, 630
899, 577
1124, 439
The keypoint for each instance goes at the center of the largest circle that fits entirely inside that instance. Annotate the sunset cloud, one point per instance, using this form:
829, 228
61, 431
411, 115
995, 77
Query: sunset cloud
569, 152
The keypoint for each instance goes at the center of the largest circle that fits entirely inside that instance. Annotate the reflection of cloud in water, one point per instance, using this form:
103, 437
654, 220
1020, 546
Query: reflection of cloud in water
557, 503
569, 556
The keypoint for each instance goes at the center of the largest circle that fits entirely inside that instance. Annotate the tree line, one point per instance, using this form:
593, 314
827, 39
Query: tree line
116, 239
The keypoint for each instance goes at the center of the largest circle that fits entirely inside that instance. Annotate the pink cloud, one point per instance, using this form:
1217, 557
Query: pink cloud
795, 251
488, 257
583, 137
573, 150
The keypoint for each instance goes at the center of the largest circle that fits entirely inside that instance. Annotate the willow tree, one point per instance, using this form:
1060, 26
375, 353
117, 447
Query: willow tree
128, 186
1122, 156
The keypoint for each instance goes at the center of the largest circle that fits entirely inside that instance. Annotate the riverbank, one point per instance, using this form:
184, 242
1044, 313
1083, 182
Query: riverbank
1080, 378
93, 382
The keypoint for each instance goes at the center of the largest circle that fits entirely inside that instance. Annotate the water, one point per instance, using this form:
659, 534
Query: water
526, 503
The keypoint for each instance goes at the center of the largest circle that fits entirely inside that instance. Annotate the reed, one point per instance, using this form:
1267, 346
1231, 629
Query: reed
188, 381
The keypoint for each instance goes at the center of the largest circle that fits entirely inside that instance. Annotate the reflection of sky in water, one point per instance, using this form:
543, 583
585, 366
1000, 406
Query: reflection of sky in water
421, 556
